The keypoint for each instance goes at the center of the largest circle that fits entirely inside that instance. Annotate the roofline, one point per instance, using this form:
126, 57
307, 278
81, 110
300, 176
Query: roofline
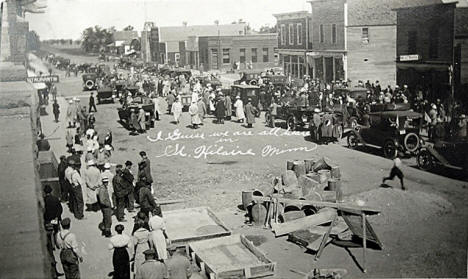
241, 36
302, 12
370, 25
428, 5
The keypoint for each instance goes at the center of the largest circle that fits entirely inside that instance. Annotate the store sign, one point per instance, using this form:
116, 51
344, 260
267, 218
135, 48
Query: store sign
410, 57
42, 79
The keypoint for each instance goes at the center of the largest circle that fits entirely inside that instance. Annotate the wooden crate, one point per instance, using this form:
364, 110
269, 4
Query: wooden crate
230, 257
192, 224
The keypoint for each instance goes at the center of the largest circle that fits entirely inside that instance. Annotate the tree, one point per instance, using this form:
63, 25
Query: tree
95, 39
267, 29
128, 28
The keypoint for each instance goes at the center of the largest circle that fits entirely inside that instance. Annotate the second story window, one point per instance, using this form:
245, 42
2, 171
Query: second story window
226, 56
254, 55
321, 35
365, 35
299, 33
242, 55
283, 34
333, 33
291, 34
412, 42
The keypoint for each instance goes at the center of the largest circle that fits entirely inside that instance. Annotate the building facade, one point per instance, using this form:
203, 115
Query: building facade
425, 48
294, 42
256, 51
328, 54
371, 41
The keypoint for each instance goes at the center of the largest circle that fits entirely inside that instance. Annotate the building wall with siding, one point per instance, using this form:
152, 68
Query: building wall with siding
374, 60
327, 13
286, 44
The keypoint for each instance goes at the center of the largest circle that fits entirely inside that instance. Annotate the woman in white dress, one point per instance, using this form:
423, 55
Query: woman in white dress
177, 110
239, 109
158, 236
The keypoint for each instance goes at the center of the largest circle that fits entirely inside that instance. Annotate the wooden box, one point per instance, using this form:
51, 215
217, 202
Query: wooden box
191, 224
230, 257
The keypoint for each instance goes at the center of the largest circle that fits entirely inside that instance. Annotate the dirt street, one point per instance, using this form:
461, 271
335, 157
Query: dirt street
422, 229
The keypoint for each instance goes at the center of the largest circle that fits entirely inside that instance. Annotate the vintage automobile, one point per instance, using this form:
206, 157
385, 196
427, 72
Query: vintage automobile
394, 131
295, 116
106, 93
249, 77
245, 92
147, 105
450, 154
89, 81
210, 79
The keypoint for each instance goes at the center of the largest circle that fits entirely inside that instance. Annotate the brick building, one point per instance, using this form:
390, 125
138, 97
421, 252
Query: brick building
220, 53
294, 42
371, 40
328, 53
428, 48
168, 44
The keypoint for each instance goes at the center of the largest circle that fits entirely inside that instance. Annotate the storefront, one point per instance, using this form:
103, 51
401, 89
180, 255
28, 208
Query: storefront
327, 66
294, 63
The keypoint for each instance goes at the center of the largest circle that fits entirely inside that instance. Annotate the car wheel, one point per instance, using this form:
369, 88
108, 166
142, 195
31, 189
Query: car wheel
353, 141
411, 142
291, 123
425, 160
353, 123
390, 150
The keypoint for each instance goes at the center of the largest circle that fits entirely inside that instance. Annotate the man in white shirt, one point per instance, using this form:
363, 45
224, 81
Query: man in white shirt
69, 252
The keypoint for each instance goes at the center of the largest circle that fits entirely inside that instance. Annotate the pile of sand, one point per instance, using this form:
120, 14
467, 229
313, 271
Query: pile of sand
401, 207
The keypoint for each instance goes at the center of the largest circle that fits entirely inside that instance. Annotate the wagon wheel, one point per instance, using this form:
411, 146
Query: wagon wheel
390, 150
411, 142
425, 160
353, 141
291, 123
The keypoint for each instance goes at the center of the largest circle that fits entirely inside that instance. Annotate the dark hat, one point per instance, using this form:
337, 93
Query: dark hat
142, 153
47, 189
66, 221
128, 163
149, 252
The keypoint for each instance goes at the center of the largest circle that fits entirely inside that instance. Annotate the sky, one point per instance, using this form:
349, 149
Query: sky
66, 19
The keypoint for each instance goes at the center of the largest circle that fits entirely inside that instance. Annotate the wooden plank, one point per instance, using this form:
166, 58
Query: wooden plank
354, 223
164, 202
256, 251
322, 217
324, 240
340, 206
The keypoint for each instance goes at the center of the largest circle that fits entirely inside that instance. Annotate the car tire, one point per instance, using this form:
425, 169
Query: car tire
390, 149
353, 123
408, 142
425, 160
353, 141
291, 123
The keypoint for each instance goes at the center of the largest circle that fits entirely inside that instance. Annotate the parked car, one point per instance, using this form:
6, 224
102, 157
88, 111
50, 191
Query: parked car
89, 81
245, 92
105, 93
450, 154
393, 131
147, 105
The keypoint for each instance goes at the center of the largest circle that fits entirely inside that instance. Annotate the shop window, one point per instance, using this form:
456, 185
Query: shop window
226, 56
265, 55
291, 34
321, 34
254, 55
242, 55
299, 33
333, 33
365, 35
283, 34
214, 58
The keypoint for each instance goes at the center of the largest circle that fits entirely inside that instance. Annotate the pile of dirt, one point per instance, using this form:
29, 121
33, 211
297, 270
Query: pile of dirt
401, 207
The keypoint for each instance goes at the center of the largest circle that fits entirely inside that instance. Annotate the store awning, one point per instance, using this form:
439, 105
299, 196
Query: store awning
423, 66
327, 53
291, 52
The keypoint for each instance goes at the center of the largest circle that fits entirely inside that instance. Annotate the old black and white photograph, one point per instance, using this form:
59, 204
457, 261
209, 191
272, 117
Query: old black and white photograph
233, 139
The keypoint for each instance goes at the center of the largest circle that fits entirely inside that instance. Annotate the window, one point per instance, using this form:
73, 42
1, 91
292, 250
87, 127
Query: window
242, 55
177, 57
214, 58
433, 42
265, 55
365, 35
333, 33
254, 55
299, 33
412, 42
283, 34
291, 34
226, 57
321, 33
